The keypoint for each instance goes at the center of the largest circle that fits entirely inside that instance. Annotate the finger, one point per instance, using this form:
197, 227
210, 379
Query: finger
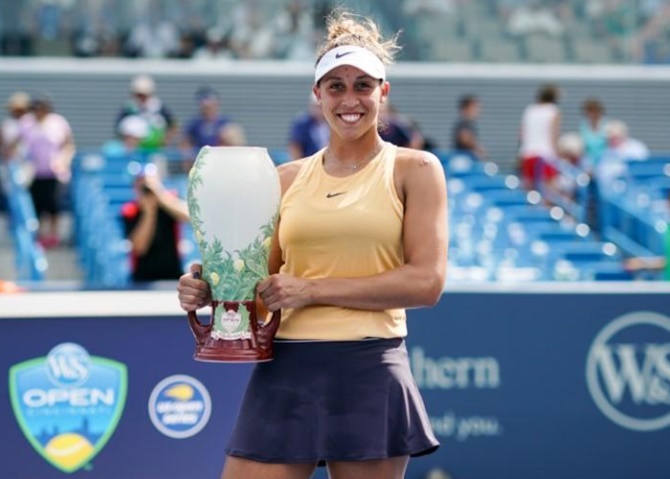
264, 285
196, 270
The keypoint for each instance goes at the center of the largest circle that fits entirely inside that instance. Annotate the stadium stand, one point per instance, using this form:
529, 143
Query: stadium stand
499, 230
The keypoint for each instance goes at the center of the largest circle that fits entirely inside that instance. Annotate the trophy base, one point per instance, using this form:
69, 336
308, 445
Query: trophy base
253, 347
239, 351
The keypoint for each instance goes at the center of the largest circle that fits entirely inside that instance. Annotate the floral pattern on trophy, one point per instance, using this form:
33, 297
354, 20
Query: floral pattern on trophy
232, 275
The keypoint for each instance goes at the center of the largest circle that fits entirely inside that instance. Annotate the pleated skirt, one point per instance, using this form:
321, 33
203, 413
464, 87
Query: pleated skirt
332, 401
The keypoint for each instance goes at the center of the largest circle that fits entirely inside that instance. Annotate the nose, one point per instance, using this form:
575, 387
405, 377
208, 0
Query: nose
350, 100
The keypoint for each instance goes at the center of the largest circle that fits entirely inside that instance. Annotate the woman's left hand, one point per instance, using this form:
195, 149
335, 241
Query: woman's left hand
279, 291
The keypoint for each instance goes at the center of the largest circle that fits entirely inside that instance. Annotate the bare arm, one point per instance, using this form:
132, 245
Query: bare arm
171, 203
145, 229
418, 282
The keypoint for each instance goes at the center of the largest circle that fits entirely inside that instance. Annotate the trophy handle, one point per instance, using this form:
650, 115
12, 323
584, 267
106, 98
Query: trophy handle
267, 329
200, 331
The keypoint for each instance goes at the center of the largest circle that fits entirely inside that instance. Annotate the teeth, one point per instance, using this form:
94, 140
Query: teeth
351, 117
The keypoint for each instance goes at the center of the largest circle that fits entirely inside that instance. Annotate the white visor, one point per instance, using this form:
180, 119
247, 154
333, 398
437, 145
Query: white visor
354, 56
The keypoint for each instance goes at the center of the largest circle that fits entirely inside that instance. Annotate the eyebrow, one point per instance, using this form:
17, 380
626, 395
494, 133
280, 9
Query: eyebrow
336, 77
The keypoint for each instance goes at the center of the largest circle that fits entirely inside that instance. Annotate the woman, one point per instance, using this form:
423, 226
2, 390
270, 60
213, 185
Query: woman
47, 141
362, 235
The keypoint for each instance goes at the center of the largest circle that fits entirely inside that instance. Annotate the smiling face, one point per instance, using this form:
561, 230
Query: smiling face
351, 100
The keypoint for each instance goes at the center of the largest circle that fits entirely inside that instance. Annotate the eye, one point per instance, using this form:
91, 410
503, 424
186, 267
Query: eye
336, 86
364, 85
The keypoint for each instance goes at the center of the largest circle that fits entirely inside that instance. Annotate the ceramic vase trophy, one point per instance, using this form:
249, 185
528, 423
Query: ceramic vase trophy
233, 200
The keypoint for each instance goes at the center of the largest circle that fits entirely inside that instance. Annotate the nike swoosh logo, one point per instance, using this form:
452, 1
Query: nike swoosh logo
333, 195
340, 55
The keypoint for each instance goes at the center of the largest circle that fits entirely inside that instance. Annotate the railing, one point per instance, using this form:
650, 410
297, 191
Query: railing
30, 262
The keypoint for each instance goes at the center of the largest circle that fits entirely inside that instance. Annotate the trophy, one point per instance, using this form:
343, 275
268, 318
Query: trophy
233, 201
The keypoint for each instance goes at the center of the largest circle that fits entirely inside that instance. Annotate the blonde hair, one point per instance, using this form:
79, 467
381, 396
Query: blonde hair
345, 28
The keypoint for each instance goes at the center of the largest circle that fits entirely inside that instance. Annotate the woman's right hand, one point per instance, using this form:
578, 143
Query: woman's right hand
193, 292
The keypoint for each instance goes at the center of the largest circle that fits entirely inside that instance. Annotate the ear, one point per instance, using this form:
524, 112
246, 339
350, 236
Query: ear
317, 94
386, 89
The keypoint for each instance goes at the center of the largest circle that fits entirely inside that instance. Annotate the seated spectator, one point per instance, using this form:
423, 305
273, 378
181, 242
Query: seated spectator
153, 37
309, 131
534, 18
620, 149
571, 148
151, 225
204, 128
464, 133
429, 7
131, 132
216, 47
146, 104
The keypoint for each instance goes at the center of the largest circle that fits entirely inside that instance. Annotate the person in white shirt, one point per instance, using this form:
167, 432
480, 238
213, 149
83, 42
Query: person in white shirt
540, 129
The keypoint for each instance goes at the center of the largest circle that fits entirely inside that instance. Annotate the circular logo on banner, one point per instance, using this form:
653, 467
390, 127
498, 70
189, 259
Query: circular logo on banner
628, 371
180, 406
68, 365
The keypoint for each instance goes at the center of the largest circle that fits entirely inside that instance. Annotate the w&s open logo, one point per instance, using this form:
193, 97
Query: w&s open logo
628, 371
68, 403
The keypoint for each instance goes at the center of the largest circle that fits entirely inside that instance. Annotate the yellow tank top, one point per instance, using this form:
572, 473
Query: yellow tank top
342, 228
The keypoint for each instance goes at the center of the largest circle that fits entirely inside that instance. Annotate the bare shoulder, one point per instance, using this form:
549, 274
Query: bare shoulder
410, 161
288, 171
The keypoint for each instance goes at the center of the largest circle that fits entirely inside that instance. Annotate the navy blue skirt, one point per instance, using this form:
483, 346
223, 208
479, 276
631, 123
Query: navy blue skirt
332, 401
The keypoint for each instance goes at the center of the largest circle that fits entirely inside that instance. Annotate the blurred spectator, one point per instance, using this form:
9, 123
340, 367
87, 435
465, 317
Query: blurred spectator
153, 37
48, 144
147, 105
621, 148
540, 129
217, 46
429, 7
465, 132
96, 29
309, 131
232, 134
18, 104
204, 128
295, 32
152, 224
571, 148
131, 131
16, 30
534, 18
592, 129
397, 128
251, 35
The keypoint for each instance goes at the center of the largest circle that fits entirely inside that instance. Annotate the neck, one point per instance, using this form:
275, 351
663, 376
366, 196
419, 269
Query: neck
352, 156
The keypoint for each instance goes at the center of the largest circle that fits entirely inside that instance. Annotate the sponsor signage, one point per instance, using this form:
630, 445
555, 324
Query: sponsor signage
180, 406
68, 403
628, 371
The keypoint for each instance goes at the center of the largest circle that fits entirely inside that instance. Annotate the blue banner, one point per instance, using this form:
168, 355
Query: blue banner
521, 385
